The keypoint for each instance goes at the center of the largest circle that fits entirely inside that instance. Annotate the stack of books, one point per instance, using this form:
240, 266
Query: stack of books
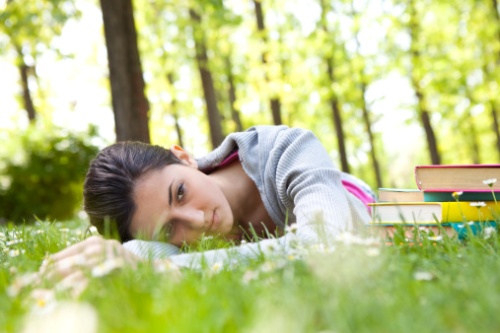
451, 198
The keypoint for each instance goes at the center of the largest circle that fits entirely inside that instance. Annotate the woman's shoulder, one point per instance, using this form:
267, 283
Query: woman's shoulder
273, 134
275, 129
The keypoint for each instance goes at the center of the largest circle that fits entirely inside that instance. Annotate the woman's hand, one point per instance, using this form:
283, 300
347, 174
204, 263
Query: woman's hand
69, 270
94, 256
89, 253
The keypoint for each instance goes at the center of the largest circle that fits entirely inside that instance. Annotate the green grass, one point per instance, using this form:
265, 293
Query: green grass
446, 285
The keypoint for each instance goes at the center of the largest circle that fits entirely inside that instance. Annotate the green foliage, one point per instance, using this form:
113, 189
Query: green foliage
44, 178
437, 285
32, 22
369, 45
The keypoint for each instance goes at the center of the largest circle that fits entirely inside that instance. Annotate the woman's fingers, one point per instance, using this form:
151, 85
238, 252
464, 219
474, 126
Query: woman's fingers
75, 282
88, 255
78, 247
63, 267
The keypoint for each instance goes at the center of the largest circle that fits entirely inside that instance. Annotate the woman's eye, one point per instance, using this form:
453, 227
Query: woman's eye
180, 192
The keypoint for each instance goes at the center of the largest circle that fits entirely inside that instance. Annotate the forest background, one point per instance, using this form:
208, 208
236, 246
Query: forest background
384, 84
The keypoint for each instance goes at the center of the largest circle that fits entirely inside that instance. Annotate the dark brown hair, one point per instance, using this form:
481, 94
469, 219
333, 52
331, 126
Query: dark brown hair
110, 182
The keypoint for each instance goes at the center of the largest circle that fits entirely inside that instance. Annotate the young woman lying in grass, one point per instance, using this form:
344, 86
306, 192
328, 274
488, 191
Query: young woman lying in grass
256, 182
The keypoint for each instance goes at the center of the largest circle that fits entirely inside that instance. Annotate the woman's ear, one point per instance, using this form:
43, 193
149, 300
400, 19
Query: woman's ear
183, 156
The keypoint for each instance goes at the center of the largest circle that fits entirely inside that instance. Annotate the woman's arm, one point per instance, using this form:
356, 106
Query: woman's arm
298, 178
310, 184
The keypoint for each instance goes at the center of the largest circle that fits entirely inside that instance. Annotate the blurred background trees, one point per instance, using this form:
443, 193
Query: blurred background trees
384, 84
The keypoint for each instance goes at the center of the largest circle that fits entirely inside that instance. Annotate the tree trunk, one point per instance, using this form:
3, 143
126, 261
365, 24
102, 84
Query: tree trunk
274, 103
334, 103
24, 73
494, 117
476, 155
337, 121
472, 131
496, 14
130, 105
170, 79
494, 102
214, 117
235, 113
371, 139
28, 102
364, 108
427, 125
419, 94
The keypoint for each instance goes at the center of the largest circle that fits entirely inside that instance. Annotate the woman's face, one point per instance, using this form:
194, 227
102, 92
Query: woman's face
180, 203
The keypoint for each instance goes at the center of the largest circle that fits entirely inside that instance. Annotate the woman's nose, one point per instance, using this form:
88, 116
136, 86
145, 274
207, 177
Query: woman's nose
191, 218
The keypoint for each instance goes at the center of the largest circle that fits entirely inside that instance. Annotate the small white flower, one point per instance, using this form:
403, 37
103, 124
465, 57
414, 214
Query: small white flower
14, 242
268, 247
489, 231
107, 267
291, 228
268, 266
437, 238
162, 266
217, 267
350, 239
373, 252
478, 204
44, 299
490, 181
423, 276
321, 248
455, 195
14, 253
250, 276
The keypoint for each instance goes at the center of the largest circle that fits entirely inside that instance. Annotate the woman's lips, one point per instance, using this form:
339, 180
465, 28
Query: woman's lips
215, 221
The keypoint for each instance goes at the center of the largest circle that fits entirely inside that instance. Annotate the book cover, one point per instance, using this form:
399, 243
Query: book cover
400, 195
433, 212
455, 177
443, 195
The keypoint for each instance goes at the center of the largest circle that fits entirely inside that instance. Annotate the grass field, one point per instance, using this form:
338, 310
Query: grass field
436, 284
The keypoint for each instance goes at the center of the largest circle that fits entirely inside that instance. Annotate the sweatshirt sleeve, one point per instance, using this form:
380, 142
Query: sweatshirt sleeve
311, 186
208, 259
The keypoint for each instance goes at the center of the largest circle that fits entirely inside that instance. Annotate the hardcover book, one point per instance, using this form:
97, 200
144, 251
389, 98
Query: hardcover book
400, 195
455, 177
432, 212
477, 195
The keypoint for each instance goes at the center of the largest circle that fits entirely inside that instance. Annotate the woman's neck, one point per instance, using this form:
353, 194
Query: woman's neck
245, 201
